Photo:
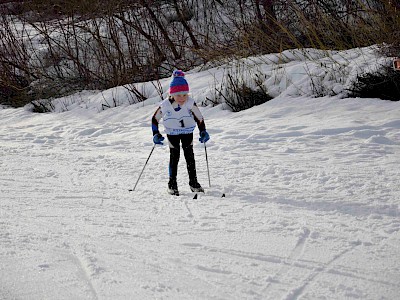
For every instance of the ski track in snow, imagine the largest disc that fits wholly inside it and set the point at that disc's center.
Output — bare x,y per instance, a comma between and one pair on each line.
311,208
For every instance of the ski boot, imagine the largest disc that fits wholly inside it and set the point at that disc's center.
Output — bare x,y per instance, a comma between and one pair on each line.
173,187
195,187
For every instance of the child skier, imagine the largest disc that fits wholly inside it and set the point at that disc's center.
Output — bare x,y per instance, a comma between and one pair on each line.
180,115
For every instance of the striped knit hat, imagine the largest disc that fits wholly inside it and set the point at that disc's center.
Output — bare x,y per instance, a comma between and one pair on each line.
178,85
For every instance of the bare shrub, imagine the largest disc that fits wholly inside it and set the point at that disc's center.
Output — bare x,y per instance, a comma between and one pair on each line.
277,25
15,71
384,84
42,106
240,91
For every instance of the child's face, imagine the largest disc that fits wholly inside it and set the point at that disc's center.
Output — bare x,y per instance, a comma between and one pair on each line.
181,99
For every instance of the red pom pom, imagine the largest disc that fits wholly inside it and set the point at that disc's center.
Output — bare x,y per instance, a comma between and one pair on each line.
178,73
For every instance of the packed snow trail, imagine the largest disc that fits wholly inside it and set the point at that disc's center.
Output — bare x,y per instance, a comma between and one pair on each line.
312,206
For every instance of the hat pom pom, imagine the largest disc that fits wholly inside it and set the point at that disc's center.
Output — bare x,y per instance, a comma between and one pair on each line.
178,73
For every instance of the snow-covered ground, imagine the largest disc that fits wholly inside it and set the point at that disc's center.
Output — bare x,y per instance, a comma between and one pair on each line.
311,208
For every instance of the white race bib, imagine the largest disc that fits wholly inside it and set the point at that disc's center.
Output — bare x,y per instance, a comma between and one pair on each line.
178,121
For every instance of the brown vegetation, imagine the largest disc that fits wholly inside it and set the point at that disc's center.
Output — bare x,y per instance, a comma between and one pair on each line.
51,48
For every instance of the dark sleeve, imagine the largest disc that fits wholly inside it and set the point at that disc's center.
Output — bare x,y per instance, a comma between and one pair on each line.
198,117
155,120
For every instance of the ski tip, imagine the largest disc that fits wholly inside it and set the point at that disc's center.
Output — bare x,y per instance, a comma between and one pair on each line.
130,190
223,195
195,196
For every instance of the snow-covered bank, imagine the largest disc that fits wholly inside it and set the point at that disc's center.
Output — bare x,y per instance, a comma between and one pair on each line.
312,206
292,73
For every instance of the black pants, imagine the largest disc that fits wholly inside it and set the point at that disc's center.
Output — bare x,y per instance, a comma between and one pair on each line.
174,148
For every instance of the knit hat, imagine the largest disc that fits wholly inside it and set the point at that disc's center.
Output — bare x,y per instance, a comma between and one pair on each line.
178,85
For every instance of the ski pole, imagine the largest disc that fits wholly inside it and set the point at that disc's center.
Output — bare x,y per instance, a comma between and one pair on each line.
151,152
208,169
208,172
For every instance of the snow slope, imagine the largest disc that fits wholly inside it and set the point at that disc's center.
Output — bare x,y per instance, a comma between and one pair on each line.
311,208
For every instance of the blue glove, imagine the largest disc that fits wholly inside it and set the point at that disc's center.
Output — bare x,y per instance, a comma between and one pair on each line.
204,136
158,138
